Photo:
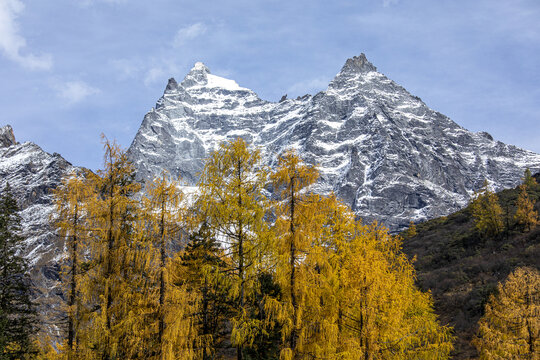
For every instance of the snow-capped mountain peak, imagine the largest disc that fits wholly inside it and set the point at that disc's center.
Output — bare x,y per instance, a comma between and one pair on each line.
358,64
201,77
380,148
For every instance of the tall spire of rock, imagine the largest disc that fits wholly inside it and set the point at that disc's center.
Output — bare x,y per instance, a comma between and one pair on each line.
358,64
172,85
7,138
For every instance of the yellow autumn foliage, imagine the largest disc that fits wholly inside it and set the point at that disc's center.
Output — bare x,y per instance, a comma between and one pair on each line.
510,327
486,211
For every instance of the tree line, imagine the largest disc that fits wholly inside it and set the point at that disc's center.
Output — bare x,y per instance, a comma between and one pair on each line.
491,221
253,265
233,271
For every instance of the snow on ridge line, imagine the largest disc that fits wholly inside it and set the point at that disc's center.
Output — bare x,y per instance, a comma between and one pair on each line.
215,81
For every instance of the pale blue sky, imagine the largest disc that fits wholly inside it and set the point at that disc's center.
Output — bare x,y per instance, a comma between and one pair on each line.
72,69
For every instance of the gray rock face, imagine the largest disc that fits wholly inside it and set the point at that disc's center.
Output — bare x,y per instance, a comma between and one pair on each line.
33,174
381,149
7,138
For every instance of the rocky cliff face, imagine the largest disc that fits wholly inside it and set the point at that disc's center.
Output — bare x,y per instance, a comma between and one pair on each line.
381,149
32,174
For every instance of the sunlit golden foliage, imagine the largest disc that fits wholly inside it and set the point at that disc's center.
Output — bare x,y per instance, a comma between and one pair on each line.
348,291
302,273
525,213
486,211
232,199
71,198
411,230
510,328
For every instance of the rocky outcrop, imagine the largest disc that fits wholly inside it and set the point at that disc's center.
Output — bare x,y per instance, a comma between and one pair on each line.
7,138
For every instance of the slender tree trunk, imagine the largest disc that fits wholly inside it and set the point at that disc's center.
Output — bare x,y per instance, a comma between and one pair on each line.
205,318
162,279
73,292
239,352
531,339
3,300
367,354
110,247
292,280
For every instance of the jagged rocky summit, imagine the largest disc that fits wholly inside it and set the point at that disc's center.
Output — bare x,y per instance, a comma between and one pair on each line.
32,174
381,149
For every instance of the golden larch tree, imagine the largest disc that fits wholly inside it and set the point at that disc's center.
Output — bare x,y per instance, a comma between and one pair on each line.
70,202
298,218
167,304
384,315
528,180
231,195
486,211
525,213
510,327
105,287
411,230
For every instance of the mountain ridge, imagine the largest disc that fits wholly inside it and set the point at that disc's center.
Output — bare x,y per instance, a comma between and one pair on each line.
380,148
32,174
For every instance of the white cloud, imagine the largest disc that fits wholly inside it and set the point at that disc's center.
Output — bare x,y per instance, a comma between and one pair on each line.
189,33
12,43
154,74
75,91
160,73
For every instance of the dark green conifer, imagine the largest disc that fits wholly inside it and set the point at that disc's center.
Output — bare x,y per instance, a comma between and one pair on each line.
206,273
17,312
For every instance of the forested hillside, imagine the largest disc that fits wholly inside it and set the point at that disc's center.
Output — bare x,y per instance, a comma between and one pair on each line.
462,266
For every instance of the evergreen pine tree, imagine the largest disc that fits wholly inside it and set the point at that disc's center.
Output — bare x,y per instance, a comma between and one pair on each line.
204,271
17,312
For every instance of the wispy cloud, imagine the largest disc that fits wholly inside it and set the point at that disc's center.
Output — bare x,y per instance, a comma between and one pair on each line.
160,71
75,91
154,74
12,43
163,63
189,33
149,70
